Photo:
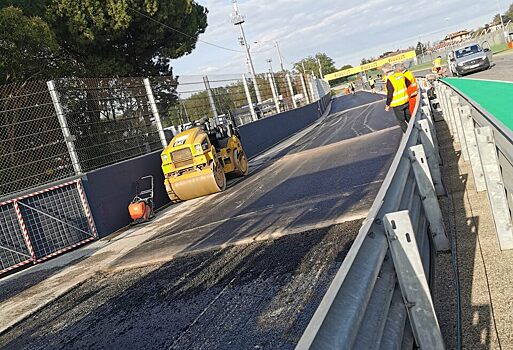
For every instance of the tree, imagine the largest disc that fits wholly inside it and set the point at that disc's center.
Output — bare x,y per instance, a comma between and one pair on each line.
420,49
115,37
347,66
497,19
27,48
509,13
311,64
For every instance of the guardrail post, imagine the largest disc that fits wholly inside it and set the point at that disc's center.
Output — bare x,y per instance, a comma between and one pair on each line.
412,280
275,95
68,137
429,147
155,112
428,195
211,99
248,97
445,109
426,110
450,114
305,91
455,104
467,123
495,187
291,90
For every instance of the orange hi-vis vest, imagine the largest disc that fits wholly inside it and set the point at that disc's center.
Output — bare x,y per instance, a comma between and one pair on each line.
400,91
413,88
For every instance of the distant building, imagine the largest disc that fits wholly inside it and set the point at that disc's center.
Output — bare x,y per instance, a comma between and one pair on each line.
494,27
457,37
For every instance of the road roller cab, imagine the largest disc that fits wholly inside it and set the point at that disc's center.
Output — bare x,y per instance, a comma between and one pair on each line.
197,161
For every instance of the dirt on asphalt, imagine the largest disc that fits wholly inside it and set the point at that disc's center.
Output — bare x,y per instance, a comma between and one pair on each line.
254,296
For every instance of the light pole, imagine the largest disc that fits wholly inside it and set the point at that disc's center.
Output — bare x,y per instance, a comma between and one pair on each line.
270,61
320,69
279,55
238,20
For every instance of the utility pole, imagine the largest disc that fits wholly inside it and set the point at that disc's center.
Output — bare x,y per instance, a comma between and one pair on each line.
303,65
238,20
279,55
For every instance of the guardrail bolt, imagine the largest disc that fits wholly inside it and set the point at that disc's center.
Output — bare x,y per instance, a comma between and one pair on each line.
409,304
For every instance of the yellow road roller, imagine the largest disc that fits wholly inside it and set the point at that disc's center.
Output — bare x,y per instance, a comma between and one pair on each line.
197,161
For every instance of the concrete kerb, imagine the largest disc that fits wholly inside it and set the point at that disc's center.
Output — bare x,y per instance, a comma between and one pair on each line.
131,240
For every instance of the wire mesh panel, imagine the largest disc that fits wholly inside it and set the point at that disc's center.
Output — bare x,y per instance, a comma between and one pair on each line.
32,147
56,220
13,249
110,119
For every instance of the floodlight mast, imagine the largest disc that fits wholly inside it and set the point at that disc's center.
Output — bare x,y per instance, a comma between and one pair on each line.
238,20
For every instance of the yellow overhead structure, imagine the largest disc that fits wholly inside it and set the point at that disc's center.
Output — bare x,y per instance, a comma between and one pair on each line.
196,162
373,65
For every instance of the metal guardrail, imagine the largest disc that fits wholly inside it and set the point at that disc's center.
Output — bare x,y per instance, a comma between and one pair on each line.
487,145
379,298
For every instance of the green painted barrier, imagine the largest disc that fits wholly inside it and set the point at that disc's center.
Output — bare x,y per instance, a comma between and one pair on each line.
496,97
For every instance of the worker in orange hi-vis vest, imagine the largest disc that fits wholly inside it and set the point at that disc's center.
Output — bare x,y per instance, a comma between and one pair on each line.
413,89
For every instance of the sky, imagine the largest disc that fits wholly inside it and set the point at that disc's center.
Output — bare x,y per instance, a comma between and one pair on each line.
347,31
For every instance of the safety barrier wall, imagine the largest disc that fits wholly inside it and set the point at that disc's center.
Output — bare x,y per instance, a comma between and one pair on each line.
260,135
487,144
110,189
370,303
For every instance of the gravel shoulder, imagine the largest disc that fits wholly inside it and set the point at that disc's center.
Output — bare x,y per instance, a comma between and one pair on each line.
485,273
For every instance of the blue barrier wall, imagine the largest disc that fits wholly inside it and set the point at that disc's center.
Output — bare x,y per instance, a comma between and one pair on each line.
259,136
109,190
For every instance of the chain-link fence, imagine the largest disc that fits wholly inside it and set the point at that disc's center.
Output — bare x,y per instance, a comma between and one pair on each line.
110,119
201,97
51,131
32,147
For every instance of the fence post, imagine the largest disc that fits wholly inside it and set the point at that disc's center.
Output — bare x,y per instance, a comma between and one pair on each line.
210,98
312,88
155,112
305,91
68,138
473,150
429,200
291,89
275,95
455,104
495,187
412,280
248,97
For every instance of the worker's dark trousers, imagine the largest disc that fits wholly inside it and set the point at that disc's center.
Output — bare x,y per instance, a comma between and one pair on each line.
402,113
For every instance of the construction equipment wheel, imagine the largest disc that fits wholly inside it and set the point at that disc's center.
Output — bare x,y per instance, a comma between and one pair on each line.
241,163
219,176
201,185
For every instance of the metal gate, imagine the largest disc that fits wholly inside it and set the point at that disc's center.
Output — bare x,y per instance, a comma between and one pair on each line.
40,225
